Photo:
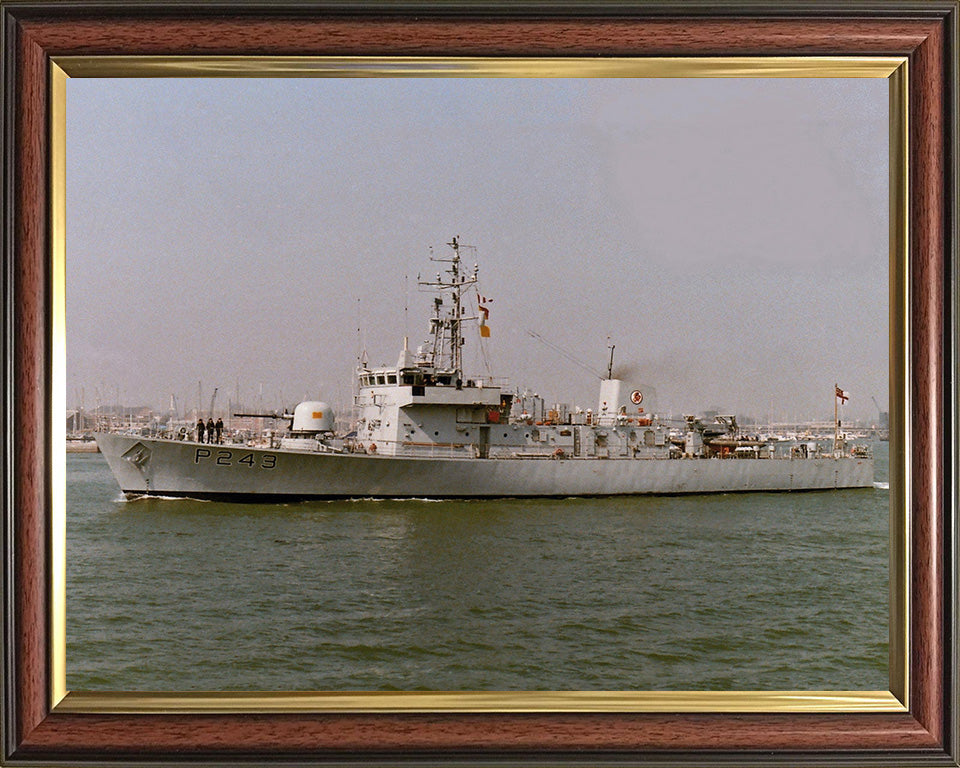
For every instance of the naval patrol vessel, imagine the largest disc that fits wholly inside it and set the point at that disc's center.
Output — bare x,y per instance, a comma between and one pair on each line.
425,430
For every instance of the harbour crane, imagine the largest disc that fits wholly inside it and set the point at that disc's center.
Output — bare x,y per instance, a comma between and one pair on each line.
883,419
213,399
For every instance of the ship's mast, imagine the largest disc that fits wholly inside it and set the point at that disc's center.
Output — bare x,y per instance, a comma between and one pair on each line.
447,327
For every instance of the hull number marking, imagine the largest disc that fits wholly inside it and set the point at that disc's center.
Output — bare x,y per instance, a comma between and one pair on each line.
226,459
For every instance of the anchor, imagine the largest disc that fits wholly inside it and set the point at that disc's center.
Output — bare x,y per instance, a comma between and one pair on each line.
138,455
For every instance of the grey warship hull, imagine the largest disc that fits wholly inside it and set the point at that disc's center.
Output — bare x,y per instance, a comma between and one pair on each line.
158,467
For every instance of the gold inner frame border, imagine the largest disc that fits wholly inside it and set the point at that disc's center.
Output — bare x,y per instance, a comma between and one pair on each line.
894,69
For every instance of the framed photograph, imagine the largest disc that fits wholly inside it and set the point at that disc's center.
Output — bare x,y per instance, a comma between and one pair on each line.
374,82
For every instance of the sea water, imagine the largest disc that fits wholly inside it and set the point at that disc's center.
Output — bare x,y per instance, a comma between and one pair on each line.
757,591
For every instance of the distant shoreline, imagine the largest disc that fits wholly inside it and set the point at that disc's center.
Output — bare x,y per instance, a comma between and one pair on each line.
82,446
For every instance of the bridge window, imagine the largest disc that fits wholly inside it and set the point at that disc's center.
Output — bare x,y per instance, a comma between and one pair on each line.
392,378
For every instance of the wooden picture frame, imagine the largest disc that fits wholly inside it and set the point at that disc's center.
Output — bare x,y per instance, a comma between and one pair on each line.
38,731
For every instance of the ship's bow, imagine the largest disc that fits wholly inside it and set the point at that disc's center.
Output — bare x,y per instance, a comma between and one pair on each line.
127,456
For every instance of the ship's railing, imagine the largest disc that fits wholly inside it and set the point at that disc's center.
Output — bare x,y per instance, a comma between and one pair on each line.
424,450
406,448
491,381
529,452
460,450
805,451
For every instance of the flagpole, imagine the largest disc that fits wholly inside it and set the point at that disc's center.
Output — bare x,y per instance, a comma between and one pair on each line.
836,428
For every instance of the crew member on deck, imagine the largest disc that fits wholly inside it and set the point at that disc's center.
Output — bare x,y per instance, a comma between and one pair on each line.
210,428
200,430
219,428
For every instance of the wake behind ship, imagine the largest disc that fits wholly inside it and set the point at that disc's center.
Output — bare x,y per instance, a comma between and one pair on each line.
425,430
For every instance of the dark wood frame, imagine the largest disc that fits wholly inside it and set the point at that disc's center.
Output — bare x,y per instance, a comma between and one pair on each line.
925,32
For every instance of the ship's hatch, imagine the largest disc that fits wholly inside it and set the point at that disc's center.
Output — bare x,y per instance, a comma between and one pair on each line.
138,455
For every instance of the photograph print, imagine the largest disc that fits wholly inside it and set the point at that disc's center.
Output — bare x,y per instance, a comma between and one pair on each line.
477,384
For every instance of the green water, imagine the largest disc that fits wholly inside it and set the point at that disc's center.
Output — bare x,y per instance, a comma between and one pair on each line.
735,591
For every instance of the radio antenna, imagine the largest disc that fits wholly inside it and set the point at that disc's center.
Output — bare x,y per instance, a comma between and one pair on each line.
561,351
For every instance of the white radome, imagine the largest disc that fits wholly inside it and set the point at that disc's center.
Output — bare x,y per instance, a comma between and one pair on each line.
313,416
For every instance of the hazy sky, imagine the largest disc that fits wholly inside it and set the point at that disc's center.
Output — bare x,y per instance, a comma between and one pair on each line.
729,236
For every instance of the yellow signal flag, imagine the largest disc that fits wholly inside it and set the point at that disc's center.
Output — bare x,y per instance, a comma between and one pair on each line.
485,331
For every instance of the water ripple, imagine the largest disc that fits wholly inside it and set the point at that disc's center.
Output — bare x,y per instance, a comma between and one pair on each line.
760,591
